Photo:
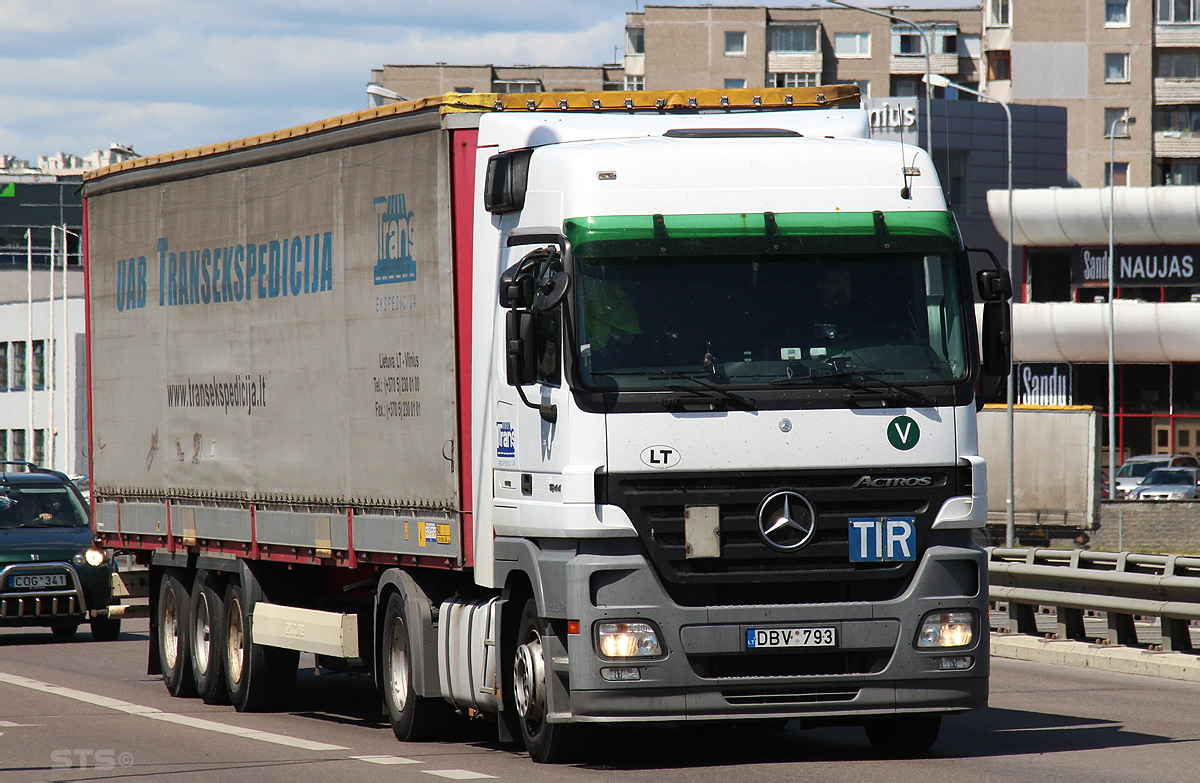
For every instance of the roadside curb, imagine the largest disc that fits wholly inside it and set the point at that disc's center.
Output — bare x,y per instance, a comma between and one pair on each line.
1120,660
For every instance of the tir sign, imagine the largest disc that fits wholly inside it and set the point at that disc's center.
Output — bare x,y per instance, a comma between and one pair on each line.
882,539
660,457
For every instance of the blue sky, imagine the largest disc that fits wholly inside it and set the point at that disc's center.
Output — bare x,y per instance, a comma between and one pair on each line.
159,75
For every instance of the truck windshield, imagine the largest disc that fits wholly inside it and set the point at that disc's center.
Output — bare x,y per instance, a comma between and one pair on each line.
740,314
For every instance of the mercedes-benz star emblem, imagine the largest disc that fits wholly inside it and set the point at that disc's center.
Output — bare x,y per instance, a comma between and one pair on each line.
786,520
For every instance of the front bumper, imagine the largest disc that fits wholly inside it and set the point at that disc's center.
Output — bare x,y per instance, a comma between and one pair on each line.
71,602
707,672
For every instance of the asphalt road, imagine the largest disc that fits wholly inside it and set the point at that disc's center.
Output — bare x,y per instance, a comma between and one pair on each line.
83,710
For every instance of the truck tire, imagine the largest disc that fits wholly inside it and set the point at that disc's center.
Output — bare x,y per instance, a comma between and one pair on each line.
173,653
208,640
547,743
414,718
904,736
106,629
257,678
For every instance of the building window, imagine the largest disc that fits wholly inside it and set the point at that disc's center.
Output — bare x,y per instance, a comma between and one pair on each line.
1181,172
794,38
910,43
998,13
999,65
1178,12
1179,66
635,82
3,366
735,84
1116,67
1111,116
18,449
1116,174
1116,14
464,90
39,364
635,40
795,79
905,88
519,85
39,447
3,444
852,44
18,366
735,44
1176,121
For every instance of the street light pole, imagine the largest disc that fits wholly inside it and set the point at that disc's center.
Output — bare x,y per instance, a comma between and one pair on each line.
1112,268
1010,386
925,43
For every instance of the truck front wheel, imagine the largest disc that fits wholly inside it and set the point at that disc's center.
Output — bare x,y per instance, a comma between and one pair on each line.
173,654
547,743
414,718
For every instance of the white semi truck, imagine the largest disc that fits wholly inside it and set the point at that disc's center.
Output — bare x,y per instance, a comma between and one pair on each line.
558,408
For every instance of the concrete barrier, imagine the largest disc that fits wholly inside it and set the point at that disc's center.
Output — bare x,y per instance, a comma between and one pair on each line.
1166,526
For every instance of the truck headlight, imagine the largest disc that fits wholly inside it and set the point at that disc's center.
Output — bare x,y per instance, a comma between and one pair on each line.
946,629
627,639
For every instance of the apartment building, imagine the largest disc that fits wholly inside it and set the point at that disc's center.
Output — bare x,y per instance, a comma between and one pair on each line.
712,46
419,81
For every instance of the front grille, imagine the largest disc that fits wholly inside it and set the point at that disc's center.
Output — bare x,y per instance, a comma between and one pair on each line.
749,571
751,696
806,664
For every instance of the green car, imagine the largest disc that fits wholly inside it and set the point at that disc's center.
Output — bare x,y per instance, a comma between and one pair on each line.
51,572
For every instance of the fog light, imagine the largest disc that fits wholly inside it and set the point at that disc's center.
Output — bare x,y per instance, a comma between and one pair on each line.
955,664
627,640
621,675
946,629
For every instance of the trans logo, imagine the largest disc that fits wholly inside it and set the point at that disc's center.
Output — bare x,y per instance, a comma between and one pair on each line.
394,235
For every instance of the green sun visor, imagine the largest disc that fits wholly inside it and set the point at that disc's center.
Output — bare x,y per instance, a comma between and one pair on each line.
764,232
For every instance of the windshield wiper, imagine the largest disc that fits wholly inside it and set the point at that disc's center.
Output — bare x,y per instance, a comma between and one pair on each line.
857,377
740,399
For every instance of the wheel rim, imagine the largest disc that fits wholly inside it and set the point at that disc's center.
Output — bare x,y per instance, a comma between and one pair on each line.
170,629
399,666
235,648
529,682
202,635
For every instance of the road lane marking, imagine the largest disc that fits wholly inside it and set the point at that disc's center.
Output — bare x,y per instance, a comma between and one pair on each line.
457,774
8,724
388,760
166,717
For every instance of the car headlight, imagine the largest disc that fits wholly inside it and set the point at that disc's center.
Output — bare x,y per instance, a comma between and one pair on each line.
93,557
947,629
628,639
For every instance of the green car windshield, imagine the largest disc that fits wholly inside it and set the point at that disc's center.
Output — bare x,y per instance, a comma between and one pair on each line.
46,506
762,300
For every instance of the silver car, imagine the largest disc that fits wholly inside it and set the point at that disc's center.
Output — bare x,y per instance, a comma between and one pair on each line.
1167,484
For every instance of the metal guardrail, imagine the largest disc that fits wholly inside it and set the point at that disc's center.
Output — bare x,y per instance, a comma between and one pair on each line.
1120,584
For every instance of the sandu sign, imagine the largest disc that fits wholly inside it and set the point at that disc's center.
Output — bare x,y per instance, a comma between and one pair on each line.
1044,383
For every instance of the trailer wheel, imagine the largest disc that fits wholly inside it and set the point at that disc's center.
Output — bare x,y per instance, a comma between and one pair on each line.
547,743
173,653
414,718
208,640
256,677
910,735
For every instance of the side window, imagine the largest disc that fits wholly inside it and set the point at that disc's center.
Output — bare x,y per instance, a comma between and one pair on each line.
547,332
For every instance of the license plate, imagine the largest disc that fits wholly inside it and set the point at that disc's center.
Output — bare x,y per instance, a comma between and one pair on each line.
883,539
36,581
770,638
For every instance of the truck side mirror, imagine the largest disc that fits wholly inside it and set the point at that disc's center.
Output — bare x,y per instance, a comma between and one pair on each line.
997,339
521,351
994,285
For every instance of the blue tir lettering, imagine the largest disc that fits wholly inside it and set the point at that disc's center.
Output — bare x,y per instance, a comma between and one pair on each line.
296,266
394,237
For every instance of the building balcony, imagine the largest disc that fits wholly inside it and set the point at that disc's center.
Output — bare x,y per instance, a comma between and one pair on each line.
635,65
1176,144
1173,91
1176,35
945,64
795,62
